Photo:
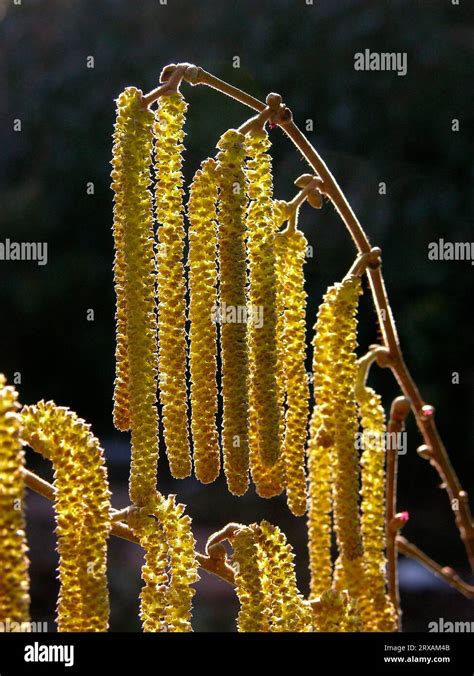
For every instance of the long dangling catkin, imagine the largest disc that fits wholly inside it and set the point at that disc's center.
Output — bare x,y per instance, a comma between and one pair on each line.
14,578
169,136
153,595
372,417
232,298
82,505
343,374
202,307
262,297
170,568
334,611
288,612
320,444
254,614
290,247
135,392
269,480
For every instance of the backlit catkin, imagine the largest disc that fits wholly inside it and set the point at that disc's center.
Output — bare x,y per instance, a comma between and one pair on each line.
135,389
14,578
250,578
373,458
343,372
232,302
288,612
320,454
262,297
169,135
170,568
202,262
290,247
82,505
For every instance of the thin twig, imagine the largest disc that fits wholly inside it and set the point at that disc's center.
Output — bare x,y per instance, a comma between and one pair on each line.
398,413
212,564
446,574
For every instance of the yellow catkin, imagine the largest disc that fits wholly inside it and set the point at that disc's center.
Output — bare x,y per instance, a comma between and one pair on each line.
202,315
262,297
372,417
334,611
82,505
232,298
153,595
169,136
251,583
320,444
290,246
269,480
14,579
135,393
288,611
170,568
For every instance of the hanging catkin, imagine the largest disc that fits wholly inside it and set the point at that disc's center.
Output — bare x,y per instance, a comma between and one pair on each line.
343,373
250,578
373,459
262,297
170,568
202,308
320,444
14,578
169,136
135,390
232,299
290,247
82,505
288,612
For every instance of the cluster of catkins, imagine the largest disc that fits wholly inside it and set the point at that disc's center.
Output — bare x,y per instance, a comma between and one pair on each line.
243,298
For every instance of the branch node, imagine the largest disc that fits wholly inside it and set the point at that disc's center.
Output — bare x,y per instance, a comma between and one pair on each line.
425,452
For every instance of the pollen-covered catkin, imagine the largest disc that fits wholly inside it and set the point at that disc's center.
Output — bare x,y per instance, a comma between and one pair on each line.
82,506
135,391
203,333
232,299
153,595
14,578
254,614
183,564
373,458
169,135
262,296
320,454
290,247
170,568
288,612
343,374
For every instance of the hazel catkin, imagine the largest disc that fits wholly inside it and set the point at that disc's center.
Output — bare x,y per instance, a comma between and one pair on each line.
135,389
14,578
169,135
82,506
202,263
232,298
290,247
262,297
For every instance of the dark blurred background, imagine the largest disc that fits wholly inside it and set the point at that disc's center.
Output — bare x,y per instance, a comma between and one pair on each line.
371,127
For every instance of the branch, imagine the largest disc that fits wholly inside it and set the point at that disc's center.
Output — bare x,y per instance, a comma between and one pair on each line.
212,563
446,574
